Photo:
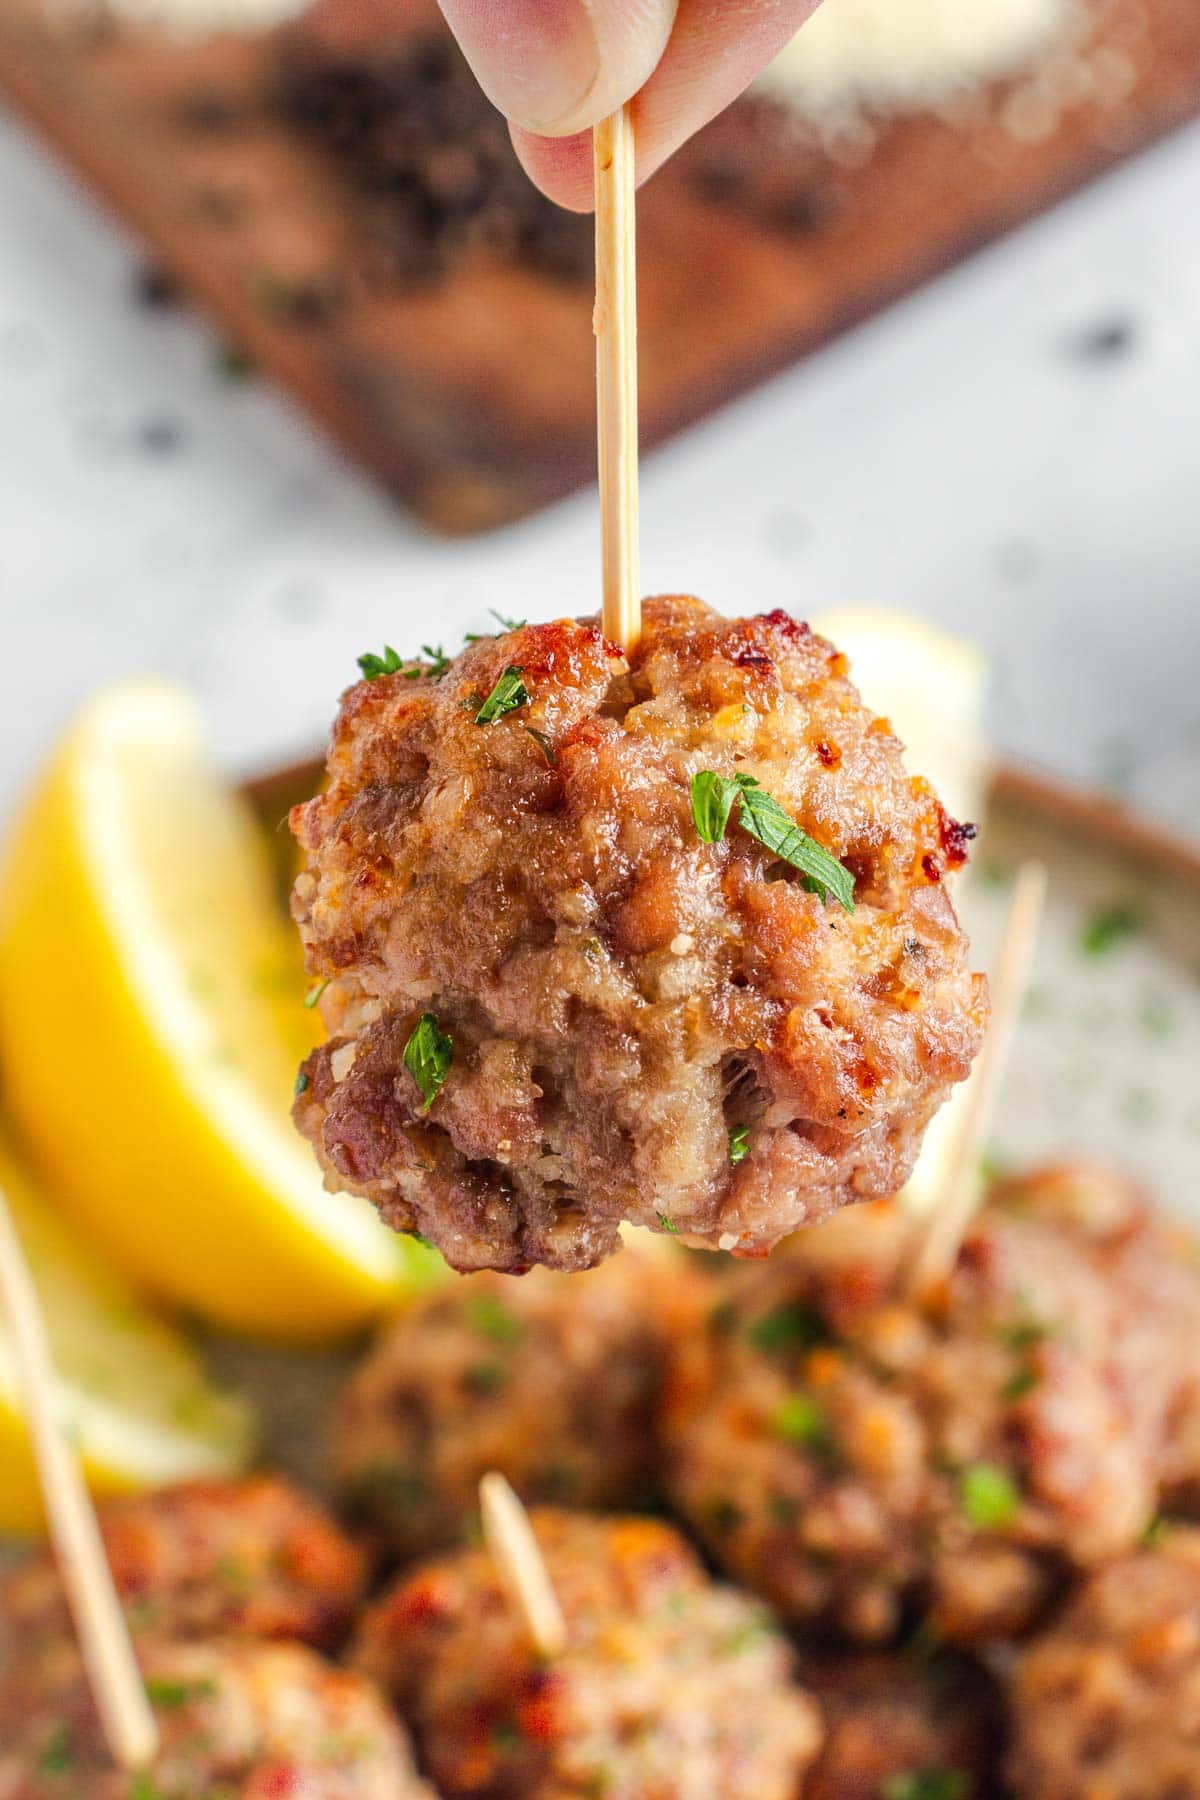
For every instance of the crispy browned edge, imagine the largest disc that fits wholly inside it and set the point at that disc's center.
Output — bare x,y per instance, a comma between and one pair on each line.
475,403
1081,812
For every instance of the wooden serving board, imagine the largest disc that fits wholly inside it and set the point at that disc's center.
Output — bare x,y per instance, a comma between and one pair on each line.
473,399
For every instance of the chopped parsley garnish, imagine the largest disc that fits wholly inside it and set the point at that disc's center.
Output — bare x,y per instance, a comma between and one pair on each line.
58,1752
712,802
434,669
668,1224
544,744
301,1086
169,1695
507,624
1020,1384
1155,1532
761,815
931,1783
739,1143
792,1326
145,1788
508,694
315,991
801,1420
487,1377
491,1317
427,1057
1109,926
372,666
989,1496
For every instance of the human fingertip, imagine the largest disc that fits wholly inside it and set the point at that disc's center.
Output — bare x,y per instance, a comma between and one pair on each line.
560,166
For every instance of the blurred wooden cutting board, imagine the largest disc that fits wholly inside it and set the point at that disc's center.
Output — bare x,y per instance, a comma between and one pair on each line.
472,399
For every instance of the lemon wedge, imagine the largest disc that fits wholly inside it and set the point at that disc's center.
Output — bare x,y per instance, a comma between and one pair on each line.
133,1392
933,688
151,1023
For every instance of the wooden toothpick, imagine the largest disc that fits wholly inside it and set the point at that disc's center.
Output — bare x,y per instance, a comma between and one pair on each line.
940,1234
508,1534
125,1716
615,325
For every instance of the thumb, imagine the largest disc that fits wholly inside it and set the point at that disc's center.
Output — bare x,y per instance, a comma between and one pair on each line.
557,66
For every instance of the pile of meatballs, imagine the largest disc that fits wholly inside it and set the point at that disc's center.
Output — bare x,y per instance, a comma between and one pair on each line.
812,1540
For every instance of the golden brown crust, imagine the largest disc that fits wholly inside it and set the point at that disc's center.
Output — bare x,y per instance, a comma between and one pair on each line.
551,1379
670,1685
237,1719
1106,1702
852,1457
253,1558
619,992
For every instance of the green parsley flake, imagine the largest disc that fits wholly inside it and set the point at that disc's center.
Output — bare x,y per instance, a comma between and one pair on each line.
507,624
427,1057
508,694
739,1144
1155,1532
792,1326
58,1752
800,1420
1110,926
301,1086
930,1783
989,1495
491,1317
372,666
487,1377
668,1224
315,991
764,818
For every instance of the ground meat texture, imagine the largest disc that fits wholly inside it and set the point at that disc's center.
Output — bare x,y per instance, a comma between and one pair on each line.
671,1688
621,995
551,1379
252,1557
909,1726
238,1720
858,1459
1106,1703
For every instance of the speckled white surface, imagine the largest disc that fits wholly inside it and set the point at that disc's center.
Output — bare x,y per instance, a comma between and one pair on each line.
977,455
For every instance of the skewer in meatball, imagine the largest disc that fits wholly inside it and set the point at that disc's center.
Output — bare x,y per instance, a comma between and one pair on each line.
237,1719
1107,1701
661,938
904,1727
251,1557
670,1686
853,1457
552,1380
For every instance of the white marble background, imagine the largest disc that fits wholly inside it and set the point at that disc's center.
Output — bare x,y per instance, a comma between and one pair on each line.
1014,453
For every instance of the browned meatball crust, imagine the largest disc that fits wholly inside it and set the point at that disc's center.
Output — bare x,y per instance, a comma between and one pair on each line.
252,1557
621,995
904,1727
852,1456
552,1379
671,1688
1106,1703
238,1720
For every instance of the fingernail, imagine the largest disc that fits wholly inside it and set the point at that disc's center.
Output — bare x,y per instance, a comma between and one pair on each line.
538,65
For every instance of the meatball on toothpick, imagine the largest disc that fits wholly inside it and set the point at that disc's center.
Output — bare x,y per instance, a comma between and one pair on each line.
660,937
237,1720
670,1685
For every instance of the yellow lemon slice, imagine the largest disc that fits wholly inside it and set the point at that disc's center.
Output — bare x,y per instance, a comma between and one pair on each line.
151,1023
133,1392
933,687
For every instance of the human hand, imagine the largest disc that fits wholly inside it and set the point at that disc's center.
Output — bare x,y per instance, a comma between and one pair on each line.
555,67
